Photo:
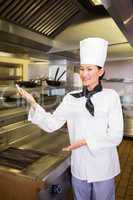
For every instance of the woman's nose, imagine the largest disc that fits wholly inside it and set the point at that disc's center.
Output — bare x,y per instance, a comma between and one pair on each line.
85,73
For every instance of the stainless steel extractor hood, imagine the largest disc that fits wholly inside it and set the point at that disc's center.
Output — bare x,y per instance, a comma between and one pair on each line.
16,39
122,13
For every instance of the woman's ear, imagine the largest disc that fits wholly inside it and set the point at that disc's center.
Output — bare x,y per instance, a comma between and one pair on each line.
101,72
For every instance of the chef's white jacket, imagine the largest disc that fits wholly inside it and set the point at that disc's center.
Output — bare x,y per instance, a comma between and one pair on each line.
98,160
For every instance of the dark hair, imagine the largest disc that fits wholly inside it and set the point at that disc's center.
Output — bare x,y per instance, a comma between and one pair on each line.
101,77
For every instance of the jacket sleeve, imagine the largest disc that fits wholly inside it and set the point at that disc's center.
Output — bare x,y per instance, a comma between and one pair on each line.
47,121
114,133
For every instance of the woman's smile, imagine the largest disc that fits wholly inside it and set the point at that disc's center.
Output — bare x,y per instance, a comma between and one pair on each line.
89,75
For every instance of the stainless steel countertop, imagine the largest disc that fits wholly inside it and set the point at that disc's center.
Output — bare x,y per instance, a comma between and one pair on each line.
25,135
43,167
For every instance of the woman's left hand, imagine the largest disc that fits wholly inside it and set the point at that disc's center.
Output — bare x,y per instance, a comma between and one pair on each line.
75,145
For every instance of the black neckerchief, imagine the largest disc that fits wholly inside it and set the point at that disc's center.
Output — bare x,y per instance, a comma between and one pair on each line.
85,92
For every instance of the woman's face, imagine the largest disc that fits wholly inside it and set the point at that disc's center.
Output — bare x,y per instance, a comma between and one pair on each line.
90,74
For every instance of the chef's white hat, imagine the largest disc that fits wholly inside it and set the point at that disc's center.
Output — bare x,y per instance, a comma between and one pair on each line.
93,51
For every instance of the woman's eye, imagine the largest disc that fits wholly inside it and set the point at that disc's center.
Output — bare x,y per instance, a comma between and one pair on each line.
89,69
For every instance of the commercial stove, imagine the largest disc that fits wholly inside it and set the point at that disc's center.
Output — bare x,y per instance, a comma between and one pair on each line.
32,164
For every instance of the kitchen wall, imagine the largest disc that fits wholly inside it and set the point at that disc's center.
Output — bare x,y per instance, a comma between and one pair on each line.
37,70
119,69
53,65
122,70
114,69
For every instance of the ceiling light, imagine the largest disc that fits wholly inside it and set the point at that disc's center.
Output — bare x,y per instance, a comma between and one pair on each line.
5,54
96,2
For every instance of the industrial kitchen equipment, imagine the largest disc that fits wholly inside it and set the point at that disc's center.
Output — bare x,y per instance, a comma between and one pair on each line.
32,163
127,106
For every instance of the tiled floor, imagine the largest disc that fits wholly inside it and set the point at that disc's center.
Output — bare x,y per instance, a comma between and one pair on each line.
124,182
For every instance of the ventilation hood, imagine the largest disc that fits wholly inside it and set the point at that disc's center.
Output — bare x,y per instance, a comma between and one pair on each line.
17,40
42,16
122,13
30,27
50,28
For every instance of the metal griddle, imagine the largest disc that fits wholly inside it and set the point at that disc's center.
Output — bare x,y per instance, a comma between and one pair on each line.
19,158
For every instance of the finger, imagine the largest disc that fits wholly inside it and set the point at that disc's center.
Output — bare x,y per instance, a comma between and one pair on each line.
23,93
20,90
66,149
19,93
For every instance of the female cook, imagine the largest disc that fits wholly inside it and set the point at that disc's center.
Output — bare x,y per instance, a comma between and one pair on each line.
95,124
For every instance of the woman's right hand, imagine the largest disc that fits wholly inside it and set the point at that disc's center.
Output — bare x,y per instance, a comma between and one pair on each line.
27,96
